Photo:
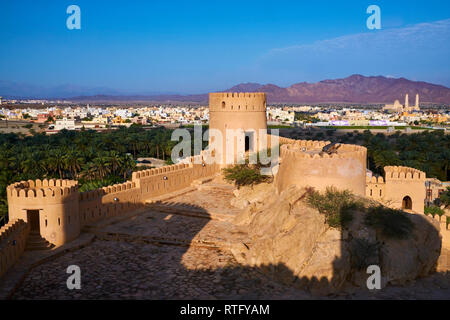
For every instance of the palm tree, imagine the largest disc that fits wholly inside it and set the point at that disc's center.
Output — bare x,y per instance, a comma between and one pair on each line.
56,162
73,162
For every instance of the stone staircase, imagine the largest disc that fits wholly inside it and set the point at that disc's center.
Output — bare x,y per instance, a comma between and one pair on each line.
37,242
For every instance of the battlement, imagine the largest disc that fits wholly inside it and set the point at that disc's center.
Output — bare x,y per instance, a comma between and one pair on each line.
115,188
237,102
304,164
310,149
10,228
238,94
403,173
53,188
375,180
283,140
13,238
158,171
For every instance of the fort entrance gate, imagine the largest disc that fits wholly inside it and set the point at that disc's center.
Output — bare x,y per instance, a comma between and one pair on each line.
33,220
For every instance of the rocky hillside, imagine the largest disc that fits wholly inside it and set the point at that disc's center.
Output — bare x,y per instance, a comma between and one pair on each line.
353,89
291,241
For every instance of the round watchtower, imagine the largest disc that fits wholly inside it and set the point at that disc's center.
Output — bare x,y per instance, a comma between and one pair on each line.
239,117
305,164
49,206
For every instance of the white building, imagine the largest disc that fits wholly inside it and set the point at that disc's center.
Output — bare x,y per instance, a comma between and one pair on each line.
65,123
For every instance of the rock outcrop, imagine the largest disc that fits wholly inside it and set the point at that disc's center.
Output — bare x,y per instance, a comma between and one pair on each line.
291,241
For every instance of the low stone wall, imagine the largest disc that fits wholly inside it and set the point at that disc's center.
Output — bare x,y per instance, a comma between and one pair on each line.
13,237
108,202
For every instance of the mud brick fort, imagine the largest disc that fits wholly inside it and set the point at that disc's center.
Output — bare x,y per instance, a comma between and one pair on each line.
45,214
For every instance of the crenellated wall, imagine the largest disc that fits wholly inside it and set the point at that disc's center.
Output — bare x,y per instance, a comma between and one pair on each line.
60,210
57,204
13,237
237,102
375,188
302,163
398,184
156,182
108,202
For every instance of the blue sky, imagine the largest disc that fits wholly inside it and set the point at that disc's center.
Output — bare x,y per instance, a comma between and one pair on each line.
200,46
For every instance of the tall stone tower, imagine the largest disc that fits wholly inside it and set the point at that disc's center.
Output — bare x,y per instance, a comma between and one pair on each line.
239,117
417,101
406,101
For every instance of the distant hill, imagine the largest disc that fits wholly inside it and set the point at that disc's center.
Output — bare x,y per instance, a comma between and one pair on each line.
353,89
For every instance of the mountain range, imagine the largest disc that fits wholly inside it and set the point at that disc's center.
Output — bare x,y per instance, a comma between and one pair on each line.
353,89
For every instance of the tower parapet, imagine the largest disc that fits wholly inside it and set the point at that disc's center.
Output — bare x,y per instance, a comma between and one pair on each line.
402,188
49,206
52,191
237,102
304,164
13,237
404,173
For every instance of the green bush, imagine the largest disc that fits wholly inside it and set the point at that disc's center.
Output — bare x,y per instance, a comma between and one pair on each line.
336,205
434,210
244,174
392,223
445,197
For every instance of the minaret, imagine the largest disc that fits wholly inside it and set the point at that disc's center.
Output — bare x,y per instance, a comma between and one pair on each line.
406,101
417,100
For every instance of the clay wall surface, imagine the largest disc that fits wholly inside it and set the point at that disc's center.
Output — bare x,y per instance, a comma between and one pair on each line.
57,203
402,182
302,164
245,112
13,237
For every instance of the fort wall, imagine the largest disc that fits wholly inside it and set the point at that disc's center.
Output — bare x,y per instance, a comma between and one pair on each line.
401,188
13,237
303,164
55,203
108,202
60,210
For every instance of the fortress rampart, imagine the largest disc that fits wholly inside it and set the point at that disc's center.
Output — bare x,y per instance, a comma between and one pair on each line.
13,238
58,211
52,206
401,188
304,164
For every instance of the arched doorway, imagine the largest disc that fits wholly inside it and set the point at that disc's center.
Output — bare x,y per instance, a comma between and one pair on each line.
407,203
